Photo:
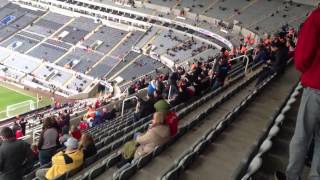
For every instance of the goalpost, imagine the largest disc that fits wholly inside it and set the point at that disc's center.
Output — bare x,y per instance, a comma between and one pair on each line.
20,108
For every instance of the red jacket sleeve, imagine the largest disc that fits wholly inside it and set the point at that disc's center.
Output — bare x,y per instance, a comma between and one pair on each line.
308,42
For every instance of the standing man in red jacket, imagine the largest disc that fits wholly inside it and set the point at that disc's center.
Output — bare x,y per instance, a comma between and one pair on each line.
307,60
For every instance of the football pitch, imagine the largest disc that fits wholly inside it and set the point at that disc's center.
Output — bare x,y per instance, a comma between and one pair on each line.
12,96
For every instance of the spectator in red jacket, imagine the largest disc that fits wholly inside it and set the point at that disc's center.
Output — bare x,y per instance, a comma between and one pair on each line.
307,60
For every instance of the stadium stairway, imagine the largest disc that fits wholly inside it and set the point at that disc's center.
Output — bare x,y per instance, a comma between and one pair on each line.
234,142
223,93
276,159
220,158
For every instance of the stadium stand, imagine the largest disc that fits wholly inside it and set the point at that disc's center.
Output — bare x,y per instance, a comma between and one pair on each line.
276,138
232,130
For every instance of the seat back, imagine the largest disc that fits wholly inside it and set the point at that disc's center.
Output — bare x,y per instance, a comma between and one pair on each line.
61,177
116,144
172,174
107,141
90,160
73,172
158,150
30,176
99,145
103,151
112,160
128,172
187,160
201,146
144,160
96,171
116,175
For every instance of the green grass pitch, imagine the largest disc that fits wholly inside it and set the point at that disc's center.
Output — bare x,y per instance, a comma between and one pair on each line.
9,97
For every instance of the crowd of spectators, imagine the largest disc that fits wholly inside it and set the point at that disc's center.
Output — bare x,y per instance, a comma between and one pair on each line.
66,146
63,147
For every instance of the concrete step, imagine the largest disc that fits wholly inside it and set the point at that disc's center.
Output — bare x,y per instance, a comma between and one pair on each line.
224,155
276,159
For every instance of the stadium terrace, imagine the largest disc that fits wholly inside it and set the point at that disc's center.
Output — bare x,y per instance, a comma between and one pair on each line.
158,89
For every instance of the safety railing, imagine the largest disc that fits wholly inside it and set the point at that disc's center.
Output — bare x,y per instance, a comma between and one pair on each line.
125,100
36,132
246,58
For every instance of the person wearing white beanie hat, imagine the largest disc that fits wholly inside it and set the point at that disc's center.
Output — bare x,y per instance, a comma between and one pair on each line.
63,162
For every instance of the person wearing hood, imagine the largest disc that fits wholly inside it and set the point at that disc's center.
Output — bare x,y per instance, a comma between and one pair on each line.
157,134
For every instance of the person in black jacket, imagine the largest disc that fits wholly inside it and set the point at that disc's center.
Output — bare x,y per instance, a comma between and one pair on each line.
87,146
279,57
66,118
221,73
262,54
147,107
15,156
112,114
23,124
277,63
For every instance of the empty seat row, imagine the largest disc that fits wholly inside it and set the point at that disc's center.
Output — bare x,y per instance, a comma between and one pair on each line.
247,169
190,154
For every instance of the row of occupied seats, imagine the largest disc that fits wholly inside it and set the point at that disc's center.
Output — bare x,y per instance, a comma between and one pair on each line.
113,142
99,143
106,150
112,159
254,163
184,108
130,168
194,151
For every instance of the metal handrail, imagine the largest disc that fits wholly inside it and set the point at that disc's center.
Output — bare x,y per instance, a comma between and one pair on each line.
129,98
247,61
169,93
